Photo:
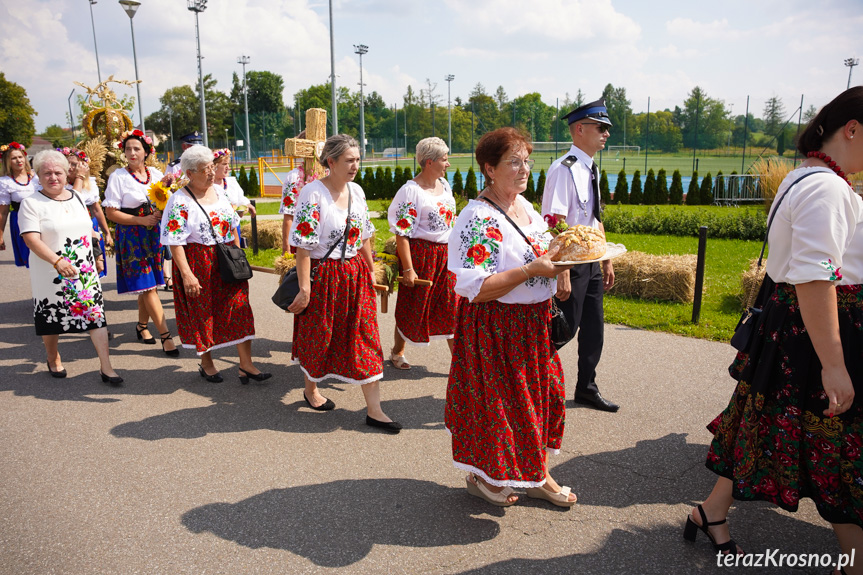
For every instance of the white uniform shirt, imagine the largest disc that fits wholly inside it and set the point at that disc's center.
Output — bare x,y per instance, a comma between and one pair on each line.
318,223
483,243
817,233
12,191
183,222
124,191
416,213
569,191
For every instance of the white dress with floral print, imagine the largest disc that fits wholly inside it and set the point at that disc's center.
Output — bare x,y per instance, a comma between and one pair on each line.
483,243
63,305
415,213
183,222
318,223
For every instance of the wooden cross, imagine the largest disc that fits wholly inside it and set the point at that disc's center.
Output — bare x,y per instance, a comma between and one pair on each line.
309,148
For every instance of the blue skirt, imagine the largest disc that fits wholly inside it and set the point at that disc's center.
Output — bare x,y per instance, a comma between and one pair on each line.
19,248
139,259
102,245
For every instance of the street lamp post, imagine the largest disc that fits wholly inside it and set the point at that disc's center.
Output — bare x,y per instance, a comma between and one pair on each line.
71,117
449,78
131,6
198,6
851,62
245,60
333,75
362,49
171,127
95,47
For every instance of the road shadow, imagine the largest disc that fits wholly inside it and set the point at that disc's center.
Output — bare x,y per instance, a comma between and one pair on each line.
336,524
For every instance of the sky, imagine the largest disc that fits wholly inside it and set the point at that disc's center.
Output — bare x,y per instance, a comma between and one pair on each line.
658,50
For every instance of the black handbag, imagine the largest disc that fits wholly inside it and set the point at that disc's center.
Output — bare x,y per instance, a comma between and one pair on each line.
749,320
233,265
289,287
558,327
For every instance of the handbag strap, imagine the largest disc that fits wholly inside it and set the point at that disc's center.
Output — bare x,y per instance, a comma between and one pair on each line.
512,223
206,215
344,235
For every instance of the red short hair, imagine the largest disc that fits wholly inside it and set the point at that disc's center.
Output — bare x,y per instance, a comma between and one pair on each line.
493,145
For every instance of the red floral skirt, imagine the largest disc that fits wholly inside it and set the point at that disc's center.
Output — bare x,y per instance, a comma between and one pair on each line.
337,335
505,399
426,313
773,440
221,315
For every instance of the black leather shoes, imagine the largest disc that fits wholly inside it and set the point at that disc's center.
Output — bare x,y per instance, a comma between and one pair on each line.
595,400
388,426
328,405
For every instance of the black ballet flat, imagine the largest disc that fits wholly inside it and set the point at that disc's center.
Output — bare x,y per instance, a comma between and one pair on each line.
116,381
215,378
165,337
325,406
141,327
245,376
58,374
388,426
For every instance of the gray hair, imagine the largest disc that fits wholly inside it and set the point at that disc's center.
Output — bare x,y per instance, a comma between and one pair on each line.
430,149
196,158
50,158
335,147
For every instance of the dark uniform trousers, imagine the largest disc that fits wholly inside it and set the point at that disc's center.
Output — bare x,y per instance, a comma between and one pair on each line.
583,312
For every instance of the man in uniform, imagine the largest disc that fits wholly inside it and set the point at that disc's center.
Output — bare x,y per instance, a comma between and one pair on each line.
572,193
189,140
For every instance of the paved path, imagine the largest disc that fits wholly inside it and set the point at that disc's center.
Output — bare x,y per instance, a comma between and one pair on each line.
171,474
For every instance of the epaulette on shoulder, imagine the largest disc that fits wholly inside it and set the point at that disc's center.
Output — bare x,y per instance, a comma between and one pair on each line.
569,161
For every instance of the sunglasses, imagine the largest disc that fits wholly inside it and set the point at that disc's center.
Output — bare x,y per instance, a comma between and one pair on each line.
602,127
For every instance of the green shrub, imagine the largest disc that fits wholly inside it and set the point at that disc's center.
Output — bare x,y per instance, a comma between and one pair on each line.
650,188
397,178
636,196
380,184
719,186
693,194
368,182
675,194
621,189
530,191
540,185
457,184
678,221
407,176
470,190
661,190
243,180
706,192
389,189
254,189
604,196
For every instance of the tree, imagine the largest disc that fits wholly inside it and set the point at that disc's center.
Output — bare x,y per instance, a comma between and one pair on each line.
712,120
16,114
500,98
636,196
661,190
604,196
254,189
706,192
58,136
774,116
662,134
398,182
470,190
407,175
619,112
388,190
243,180
530,191
380,184
693,194
675,194
719,186
650,188
810,113
369,181
457,183
540,185
265,91
621,189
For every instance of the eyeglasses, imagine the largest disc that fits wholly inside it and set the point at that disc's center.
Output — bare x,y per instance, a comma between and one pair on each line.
207,169
517,164
601,127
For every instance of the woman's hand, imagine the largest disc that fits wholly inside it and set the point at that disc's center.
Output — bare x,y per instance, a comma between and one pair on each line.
300,303
252,211
66,269
191,285
544,267
83,170
839,390
151,220
564,286
2,244
109,241
408,278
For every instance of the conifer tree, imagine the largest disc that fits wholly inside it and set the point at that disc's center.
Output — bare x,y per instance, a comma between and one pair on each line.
706,192
407,175
675,194
661,189
621,189
719,186
397,178
243,180
368,181
470,190
693,194
254,190
650,188
540,185
636,196
604,195
380,184
389,191
457,184
530,191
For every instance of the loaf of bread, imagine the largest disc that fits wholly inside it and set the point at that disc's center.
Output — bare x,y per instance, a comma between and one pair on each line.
579,243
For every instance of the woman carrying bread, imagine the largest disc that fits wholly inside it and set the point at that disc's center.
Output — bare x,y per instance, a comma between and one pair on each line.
505,395
421,216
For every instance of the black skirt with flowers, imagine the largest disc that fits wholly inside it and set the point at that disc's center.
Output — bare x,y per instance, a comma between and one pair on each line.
773,440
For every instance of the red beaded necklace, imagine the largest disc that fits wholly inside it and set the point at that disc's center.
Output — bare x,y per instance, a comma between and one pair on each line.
145,182
830,164
29,179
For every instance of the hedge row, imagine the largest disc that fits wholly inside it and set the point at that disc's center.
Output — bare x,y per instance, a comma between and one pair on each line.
730,224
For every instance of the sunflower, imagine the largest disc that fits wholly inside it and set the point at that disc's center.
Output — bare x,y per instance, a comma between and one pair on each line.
159,195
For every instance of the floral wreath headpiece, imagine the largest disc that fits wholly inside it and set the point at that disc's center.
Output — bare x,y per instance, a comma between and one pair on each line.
67,151
136,134
219,153
11,146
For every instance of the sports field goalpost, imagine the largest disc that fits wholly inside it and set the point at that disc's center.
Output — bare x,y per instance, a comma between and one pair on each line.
561,147
624,150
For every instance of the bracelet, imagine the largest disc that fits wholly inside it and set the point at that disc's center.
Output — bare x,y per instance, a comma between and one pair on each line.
407,270
57,262
79,176
524,269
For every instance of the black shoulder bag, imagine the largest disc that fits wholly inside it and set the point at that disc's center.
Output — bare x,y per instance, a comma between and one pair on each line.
233,265
558,328
746,327
290,286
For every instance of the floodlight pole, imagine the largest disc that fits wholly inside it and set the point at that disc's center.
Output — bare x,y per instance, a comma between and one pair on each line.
95,46
131,6
245,60
851,62
333,75
71,117
362,49
198,6
449,78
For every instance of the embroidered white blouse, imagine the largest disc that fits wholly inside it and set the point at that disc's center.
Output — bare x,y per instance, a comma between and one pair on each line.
124,191
231,187
817,233
183,222
290,190
484,243
12,191
415,213
318,223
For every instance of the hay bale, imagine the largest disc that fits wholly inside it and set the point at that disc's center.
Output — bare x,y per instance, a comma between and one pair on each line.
647,276
390,245
386,270
269,234
751,281
284,264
